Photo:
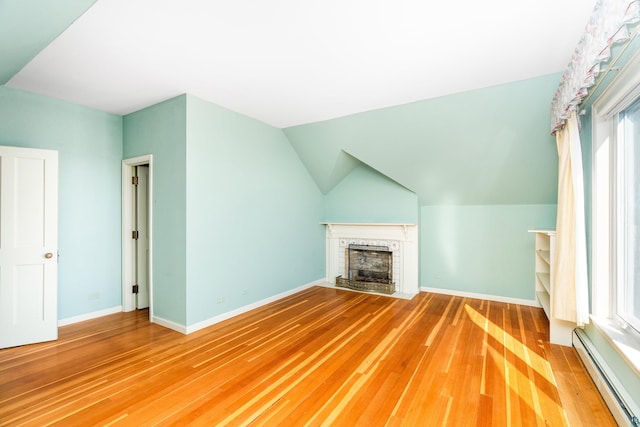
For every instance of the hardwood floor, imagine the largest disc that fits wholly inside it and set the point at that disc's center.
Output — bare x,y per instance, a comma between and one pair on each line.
320,357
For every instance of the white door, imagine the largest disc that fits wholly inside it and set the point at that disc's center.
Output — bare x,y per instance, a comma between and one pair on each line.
142,243
28,246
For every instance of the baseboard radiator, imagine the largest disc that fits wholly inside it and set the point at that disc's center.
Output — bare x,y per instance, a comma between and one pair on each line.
619,402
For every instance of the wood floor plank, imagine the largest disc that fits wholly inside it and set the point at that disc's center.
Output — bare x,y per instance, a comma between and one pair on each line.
320,357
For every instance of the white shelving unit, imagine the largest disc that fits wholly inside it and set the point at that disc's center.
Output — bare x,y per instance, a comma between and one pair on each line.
559,330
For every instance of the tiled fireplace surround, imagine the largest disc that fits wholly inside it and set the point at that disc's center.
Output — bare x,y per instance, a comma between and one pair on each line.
402,239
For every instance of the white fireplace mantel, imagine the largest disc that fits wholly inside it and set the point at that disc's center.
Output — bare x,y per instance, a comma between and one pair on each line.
401,238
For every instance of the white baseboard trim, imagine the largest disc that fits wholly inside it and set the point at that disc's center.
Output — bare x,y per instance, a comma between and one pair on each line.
89,316
229,314
531,303
169,324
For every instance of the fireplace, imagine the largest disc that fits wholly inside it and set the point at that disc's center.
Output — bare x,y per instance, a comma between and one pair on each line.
368,268
396,243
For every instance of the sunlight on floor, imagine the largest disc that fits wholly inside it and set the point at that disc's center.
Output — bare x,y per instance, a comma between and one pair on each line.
507,352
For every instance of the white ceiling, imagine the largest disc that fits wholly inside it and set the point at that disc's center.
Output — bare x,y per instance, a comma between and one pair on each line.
289,62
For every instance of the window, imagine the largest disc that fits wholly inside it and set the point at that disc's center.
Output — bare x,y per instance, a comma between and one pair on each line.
615,210
627,224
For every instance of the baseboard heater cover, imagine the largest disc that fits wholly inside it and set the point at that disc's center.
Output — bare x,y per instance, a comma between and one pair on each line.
619,402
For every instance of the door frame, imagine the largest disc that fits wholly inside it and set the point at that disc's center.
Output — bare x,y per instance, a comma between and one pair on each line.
128,245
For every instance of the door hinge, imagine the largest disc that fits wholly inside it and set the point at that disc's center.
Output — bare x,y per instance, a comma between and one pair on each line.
135,289
135,234
134,180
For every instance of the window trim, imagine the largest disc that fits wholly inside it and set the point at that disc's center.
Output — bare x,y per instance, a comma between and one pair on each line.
621,224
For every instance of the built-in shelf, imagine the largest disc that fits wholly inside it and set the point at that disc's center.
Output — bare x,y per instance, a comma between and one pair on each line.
559,330
545,254
545,280
545,301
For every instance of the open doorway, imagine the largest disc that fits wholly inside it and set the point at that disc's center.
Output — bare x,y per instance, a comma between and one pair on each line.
137,219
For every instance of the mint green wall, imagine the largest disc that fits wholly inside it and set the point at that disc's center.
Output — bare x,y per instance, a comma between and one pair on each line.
27,27
481,249
487,146
89,143
366,195
227,190
253,213
160,130
477,161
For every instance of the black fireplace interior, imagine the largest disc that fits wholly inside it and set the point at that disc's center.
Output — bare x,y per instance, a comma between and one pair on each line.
370,263
368,268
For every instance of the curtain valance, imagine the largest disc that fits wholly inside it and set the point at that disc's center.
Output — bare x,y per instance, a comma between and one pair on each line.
609,24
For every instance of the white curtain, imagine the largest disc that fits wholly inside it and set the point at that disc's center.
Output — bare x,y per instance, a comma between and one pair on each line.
570,291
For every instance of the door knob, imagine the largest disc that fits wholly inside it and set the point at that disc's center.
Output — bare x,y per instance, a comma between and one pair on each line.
48,255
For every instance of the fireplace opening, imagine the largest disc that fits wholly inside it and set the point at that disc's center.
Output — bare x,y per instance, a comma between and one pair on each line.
368,268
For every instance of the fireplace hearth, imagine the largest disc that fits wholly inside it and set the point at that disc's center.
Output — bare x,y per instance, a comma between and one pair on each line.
368,268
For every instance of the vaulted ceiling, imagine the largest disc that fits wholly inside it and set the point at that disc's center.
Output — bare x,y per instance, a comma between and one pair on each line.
284,62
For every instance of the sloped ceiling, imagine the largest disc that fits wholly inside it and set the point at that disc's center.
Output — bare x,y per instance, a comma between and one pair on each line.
284,62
